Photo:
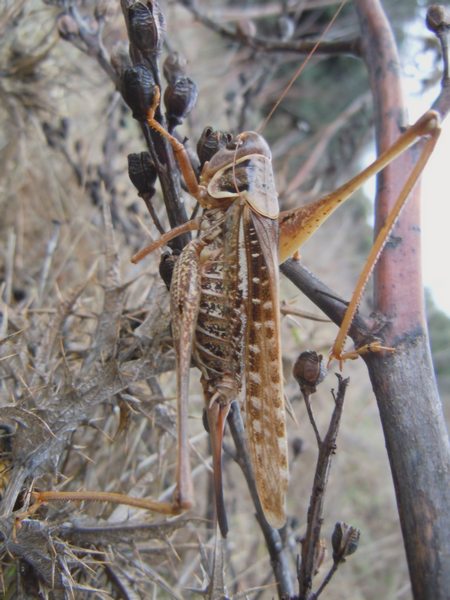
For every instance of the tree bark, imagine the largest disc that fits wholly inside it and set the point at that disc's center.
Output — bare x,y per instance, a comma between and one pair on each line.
404,384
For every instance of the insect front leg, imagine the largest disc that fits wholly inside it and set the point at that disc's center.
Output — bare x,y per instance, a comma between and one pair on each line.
179,150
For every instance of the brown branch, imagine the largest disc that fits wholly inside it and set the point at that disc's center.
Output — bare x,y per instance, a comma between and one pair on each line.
438,21
409,406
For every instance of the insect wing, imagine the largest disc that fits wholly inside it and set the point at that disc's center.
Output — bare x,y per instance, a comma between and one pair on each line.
265,411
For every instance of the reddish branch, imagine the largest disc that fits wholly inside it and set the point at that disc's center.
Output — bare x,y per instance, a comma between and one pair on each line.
410,409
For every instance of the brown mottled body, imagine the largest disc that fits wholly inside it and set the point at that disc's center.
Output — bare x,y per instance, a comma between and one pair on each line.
226,285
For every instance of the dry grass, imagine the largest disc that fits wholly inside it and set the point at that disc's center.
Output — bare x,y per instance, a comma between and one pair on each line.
87,377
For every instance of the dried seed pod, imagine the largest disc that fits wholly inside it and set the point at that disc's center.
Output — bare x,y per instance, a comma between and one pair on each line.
245,29
142,173
309,371
210,142
438,18
344,540
174,66
138,90
179,99
146,27
166,267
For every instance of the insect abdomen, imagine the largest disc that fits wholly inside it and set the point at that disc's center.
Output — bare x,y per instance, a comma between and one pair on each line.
218,329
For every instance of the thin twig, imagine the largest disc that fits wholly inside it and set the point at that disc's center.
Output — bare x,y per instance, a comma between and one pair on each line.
92,42
312,420
311,541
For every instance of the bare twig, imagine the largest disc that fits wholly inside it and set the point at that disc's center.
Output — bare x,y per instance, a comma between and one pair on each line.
327,447
87,36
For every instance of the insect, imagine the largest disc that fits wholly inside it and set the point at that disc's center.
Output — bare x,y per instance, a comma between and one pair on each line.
225,299
225,313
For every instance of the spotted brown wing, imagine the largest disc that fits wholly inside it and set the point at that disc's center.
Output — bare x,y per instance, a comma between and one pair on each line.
264,398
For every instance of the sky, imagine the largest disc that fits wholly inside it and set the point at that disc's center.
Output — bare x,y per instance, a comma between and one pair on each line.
436,222
418,61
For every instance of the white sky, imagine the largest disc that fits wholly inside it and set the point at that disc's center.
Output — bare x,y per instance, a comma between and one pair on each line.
417,63
436,222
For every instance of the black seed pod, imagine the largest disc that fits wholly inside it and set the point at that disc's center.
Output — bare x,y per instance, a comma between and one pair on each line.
142,173
210,142
138,89
297,446
146,27
179,99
